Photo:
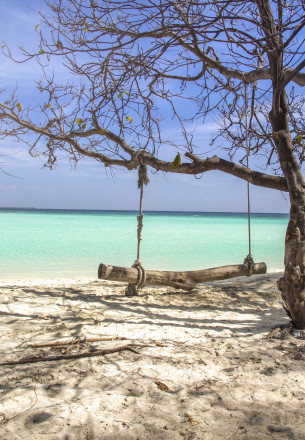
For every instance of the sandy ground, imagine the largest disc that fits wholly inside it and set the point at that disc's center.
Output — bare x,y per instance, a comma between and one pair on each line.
209,364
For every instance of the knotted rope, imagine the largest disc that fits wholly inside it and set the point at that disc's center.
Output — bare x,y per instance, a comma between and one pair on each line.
249,262
141,274
143,179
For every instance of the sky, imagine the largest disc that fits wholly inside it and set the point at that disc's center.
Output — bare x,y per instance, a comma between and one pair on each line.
28,184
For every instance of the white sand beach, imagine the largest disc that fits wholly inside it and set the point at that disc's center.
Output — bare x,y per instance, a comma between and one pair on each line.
216,363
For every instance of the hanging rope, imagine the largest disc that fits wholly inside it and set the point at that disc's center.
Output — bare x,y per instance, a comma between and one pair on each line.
143,179
248,260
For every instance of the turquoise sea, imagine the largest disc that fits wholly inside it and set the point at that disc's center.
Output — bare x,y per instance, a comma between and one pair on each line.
65,243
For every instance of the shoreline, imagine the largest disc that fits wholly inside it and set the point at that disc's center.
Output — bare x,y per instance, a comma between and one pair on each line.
34,279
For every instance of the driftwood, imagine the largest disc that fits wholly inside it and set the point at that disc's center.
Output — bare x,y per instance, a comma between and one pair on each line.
179,280
34,359
76,341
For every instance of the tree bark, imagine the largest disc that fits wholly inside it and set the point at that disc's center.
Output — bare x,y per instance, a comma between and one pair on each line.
179,280
291,284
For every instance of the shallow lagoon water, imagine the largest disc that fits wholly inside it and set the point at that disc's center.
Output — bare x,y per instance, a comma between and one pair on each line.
57,243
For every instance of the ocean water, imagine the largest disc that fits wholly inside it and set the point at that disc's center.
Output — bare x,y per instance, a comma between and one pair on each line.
56,243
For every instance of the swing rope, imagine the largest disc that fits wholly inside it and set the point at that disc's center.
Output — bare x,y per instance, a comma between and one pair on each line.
143,179
249,259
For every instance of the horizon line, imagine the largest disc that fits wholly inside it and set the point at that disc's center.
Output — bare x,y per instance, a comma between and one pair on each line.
16,208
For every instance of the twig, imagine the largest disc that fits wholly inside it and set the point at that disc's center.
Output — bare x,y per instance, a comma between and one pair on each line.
272,333
32,360
191,420
75,342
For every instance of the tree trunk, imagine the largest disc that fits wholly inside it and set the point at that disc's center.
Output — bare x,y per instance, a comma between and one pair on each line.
292,284
179,280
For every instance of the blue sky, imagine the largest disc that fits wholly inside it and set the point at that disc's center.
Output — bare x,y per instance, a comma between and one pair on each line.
88,186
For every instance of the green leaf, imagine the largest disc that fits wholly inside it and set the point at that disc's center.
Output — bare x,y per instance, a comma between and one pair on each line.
3,46
59,45
47,105
79,121
230,105
129,118
85,23
177,161
37,26
41,51
299,138
120,95
84,126
19,106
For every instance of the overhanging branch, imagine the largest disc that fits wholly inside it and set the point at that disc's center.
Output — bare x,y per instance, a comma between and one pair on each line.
199,166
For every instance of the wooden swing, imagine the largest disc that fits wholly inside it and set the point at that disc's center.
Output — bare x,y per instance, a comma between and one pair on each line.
138,277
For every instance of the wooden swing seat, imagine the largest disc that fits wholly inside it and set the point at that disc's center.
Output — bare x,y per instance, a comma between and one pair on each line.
137,277
180,280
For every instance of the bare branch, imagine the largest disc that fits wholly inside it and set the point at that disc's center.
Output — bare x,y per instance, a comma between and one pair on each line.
186,58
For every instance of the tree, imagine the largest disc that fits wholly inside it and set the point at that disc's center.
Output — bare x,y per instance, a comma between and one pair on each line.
134,58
